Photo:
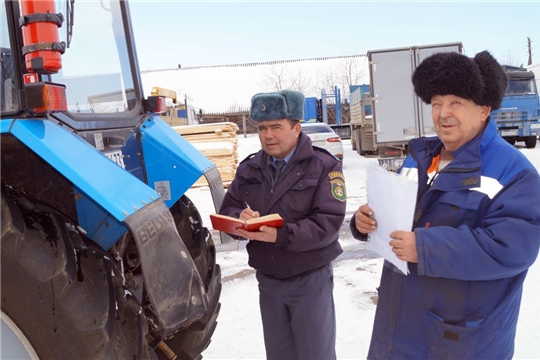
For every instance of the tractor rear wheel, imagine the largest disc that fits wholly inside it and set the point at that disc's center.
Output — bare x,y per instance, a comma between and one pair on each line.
63,292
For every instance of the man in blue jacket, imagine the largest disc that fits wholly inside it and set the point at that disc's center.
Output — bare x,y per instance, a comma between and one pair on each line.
305,185
476,227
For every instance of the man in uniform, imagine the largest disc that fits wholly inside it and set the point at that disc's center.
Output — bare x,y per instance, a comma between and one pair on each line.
305,185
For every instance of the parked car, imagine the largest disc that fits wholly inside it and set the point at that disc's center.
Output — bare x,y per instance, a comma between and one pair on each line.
324,136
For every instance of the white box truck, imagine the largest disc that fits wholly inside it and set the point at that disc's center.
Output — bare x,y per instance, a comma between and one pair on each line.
398,114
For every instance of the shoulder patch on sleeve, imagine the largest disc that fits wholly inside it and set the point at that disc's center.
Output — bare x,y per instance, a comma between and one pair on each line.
336,174
337,182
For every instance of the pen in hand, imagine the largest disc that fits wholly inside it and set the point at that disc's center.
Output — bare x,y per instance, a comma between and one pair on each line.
251,213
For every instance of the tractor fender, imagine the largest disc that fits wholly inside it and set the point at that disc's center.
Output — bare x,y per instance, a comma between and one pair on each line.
102,206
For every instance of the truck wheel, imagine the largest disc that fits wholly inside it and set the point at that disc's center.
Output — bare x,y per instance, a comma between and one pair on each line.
190,342
530,142
353,139
510,140
359,144
62,291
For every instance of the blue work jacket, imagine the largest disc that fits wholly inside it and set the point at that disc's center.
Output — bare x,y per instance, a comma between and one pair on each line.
477,228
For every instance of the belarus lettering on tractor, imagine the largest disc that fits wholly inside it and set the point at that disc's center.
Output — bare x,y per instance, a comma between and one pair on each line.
103,256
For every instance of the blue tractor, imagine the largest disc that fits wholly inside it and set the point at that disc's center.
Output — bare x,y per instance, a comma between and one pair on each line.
103,255
518,119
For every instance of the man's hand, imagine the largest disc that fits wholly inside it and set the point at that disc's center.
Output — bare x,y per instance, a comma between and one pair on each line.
363,218
247,214
404,245
265,234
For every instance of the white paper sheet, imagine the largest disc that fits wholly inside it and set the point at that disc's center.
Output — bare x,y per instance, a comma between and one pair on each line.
392,198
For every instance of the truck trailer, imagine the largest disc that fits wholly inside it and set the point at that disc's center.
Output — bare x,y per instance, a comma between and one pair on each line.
103,256
361,120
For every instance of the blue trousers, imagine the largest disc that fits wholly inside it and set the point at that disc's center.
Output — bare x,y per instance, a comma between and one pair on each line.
298,316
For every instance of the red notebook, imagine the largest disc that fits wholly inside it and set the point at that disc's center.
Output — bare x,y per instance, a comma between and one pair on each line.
229,224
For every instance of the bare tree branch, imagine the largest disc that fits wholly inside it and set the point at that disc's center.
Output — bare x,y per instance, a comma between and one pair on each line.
348,72
279,77
274,78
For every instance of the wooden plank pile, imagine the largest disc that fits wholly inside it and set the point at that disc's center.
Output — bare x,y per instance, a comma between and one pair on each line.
218,142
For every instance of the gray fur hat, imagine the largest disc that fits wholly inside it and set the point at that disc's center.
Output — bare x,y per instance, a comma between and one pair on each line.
286,104
480,79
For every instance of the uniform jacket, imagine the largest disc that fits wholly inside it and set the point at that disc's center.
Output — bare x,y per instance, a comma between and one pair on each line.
477,232
310,197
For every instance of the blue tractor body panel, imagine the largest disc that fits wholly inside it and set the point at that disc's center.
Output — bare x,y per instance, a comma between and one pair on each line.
172,166
85,167
172,163
5,125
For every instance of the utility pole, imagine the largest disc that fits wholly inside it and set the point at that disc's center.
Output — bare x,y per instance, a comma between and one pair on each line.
530,52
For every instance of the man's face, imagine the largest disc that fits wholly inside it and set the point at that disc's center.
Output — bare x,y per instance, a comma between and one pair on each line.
457,120
278,137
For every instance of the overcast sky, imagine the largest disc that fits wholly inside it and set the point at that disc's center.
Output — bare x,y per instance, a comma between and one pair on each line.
220,32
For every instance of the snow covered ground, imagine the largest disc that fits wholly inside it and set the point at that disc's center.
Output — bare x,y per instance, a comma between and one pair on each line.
356,272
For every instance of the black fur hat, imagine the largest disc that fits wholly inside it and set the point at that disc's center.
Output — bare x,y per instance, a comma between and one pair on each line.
480,79
286,104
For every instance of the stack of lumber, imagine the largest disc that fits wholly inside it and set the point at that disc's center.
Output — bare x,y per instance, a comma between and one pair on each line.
218,142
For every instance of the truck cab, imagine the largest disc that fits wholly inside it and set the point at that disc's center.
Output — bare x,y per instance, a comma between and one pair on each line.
518,119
